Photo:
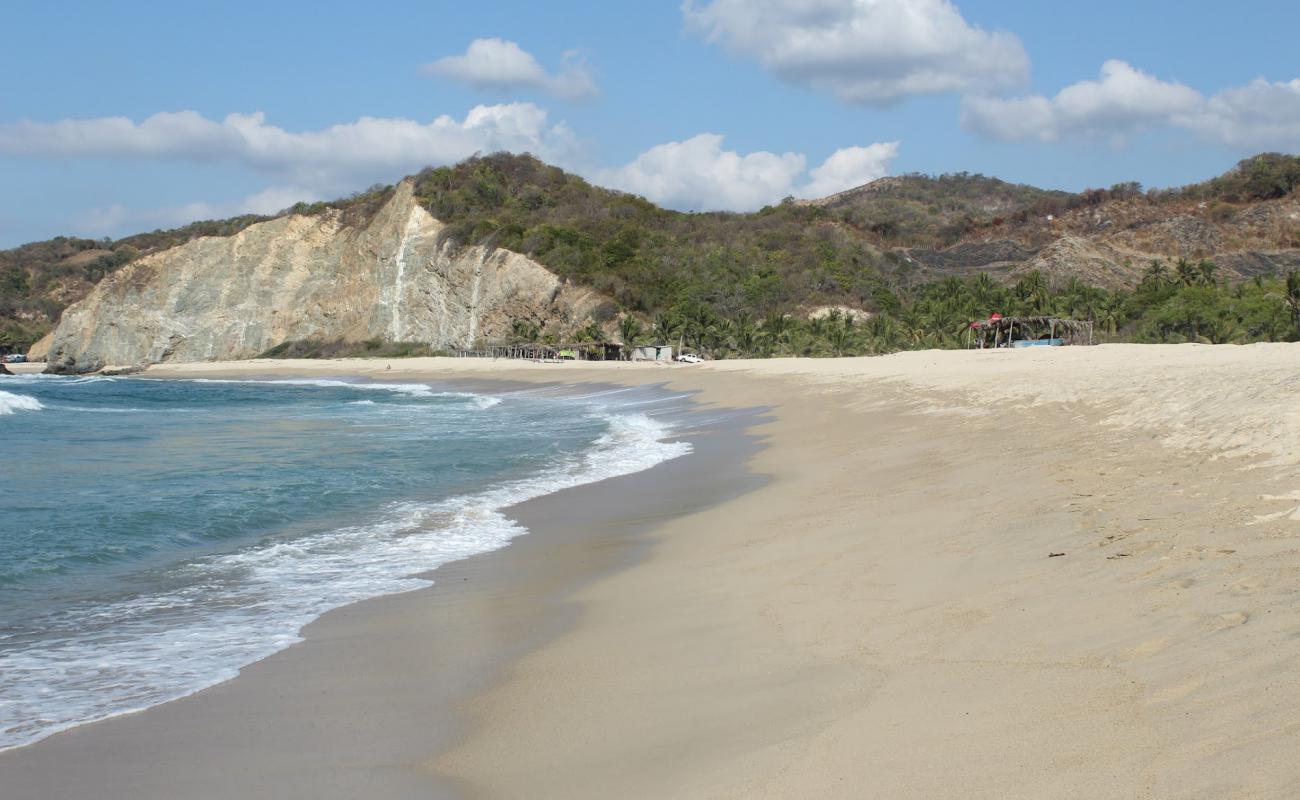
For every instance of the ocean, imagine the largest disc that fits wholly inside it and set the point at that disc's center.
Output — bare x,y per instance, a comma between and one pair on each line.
156,536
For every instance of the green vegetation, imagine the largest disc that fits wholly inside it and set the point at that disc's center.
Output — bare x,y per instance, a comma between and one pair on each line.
732,285
1267,176
741,284
371,348
1182,303
645,257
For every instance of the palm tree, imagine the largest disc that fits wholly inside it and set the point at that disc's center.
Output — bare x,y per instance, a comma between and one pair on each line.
1032,292
1186,272
913,324
700,325
1293,297
631,331
984,292
841,337
744,334
667,327
592,333
1207,270
1108,312
524,331
1157,273
775,332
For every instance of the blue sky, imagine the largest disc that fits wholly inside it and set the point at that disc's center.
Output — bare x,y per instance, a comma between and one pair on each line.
713,104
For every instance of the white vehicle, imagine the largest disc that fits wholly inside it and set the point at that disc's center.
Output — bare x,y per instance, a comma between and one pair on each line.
689,358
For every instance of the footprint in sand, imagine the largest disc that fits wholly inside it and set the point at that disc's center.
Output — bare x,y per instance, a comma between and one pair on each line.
1232,619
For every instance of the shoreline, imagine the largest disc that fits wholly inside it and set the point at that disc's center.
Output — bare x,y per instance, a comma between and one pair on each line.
582,521
1012,575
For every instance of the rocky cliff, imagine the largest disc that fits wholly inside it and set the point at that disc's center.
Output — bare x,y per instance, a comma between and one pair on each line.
393,277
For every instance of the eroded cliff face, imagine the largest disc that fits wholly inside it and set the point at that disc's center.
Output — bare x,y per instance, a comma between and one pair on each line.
312,278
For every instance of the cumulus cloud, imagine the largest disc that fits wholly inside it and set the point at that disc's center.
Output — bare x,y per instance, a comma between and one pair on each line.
1124,99
115,218
1260,115
696,174
330,160
699,174
864,51
502,64
849,167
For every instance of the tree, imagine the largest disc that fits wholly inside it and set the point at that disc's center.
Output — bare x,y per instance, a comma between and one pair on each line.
667,326
1293,298
775,334
841,337
1188,274
744,334
1157,272
631,330
592,333
1108,312
524,331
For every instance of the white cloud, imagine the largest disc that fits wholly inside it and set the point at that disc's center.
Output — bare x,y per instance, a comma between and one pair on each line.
864,51
117,218
502,64
1258,116
849,167
698,174
1124,99
332,160
1261,115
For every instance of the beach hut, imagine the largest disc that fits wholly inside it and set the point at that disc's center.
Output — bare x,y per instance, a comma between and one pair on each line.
1043,331
541,351
652,352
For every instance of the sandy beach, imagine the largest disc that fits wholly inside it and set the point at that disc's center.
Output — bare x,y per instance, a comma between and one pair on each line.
1042,573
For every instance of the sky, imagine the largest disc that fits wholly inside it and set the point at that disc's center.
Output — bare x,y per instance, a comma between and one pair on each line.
125,117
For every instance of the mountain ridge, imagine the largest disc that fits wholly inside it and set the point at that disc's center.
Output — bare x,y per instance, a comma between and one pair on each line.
848,249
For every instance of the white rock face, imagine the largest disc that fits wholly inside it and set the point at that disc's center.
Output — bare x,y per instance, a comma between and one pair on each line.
312,278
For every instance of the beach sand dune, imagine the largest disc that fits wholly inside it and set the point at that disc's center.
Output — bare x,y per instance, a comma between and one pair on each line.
1051,573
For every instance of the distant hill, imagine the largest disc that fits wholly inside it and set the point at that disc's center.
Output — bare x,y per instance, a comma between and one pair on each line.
864,248
896,232
40,279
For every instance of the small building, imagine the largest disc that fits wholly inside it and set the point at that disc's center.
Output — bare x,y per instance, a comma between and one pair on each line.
651,352
541,351
1000,331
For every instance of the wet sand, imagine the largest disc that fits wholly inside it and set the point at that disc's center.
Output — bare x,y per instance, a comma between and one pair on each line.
373,689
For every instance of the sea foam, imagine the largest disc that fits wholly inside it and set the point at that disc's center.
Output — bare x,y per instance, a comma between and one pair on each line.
99,660
407,389
11,403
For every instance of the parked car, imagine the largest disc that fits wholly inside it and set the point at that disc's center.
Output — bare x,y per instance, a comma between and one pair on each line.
15,358
689,358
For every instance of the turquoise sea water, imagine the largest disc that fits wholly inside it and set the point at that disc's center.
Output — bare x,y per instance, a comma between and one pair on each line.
155,536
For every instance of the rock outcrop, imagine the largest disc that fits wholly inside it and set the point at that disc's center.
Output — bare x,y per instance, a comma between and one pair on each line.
41,348
396,277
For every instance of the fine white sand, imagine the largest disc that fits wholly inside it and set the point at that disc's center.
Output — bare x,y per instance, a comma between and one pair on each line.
1048,573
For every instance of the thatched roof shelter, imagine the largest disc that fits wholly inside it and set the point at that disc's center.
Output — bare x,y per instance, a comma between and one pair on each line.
1000,331
541,351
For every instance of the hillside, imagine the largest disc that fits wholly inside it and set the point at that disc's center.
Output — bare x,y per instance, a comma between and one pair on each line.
892,246
40,279
390,275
